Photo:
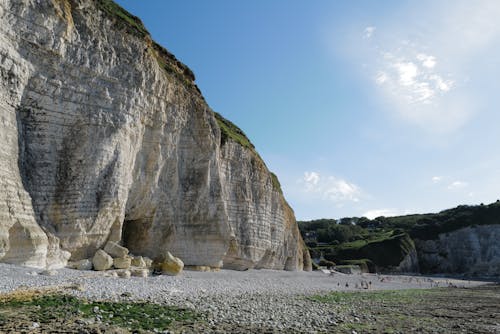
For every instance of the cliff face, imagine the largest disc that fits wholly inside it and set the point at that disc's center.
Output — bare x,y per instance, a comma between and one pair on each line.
472,251
105,136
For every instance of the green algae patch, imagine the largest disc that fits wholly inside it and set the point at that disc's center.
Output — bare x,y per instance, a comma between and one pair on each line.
65,309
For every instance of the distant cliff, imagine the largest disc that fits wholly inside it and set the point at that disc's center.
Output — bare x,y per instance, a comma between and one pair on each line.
474,251
462,240
105,136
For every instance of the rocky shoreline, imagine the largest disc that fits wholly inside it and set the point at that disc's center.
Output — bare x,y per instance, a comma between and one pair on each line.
266,300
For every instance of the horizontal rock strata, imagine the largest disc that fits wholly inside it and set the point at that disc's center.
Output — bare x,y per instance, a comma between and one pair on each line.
473,251
105,137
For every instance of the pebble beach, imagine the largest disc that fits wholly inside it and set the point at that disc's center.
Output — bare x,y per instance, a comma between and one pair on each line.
272,299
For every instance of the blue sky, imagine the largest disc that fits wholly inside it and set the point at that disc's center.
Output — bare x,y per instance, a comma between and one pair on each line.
360,108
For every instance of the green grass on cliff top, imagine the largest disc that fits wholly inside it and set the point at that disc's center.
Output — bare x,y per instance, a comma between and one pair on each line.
130,22
230,131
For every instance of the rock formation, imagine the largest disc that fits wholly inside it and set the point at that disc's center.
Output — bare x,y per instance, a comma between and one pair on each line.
106,137
473,251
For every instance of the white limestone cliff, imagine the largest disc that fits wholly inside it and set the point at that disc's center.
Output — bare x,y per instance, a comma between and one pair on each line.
105,137
473,251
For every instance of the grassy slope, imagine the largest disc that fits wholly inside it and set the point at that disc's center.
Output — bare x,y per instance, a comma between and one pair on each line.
383,241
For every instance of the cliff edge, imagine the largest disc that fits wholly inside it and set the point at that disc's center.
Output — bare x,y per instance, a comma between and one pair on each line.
106,137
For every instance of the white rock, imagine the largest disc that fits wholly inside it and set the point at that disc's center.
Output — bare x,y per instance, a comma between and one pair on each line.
49,273
85,264
124,273
148,262
138,261
140,272
171,265
227,209
102,260
122,262
115,250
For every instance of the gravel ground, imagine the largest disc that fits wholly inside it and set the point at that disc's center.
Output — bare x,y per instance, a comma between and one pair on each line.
254,300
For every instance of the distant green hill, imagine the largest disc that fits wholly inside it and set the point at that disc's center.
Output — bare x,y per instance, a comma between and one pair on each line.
383,242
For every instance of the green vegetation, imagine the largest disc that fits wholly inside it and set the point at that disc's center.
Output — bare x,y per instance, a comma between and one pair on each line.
122,18
383,242
276,183
442,310
339,297
230,131
366,265
135,316
173,66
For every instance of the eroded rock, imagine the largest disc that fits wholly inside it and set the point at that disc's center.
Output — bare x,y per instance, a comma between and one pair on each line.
122,262
115,250
102,260
124,273
85,264
140,272
138,261
169,264
94,149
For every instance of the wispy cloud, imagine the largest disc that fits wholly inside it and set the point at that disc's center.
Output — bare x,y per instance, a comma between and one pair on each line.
330,187
427,61
457,185
422,70
437,179
412,79
371,214
368,33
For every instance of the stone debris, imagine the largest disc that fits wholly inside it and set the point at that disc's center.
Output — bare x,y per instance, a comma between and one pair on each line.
140,272
170,265
85,264
49,273
115,250
148,261
124,273
102,260
264,298
200,268
122,262
138,261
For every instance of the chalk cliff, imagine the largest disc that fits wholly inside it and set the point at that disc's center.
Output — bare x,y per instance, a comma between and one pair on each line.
105,136
473,251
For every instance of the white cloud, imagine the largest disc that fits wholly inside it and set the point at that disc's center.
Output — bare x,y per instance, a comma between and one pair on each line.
368,33
381,78
411,80
437,179
330,187
457,185
407,73
421,61
311,179
444,85
427,61
371,214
